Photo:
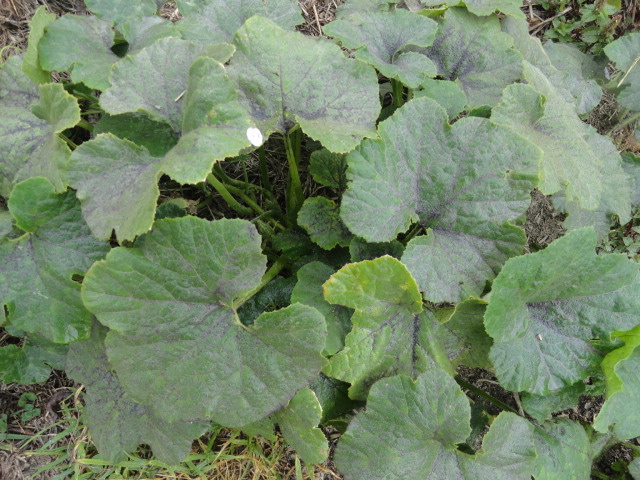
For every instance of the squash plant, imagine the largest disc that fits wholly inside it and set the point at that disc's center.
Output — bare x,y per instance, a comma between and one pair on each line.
304,309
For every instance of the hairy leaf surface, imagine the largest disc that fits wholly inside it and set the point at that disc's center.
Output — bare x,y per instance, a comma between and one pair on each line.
380,39
409,431
176,341
564,451
464,182
36,269
391,333
473,52
283,80
118,424
546,307
213,21
119,10
31,118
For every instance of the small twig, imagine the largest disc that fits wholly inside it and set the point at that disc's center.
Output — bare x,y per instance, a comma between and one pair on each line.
536,28
635,62
315,11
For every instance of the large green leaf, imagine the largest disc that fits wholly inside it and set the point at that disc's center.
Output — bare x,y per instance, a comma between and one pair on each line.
31,63
214,21
308,290
391,333
286,78
409,431
380,39
474,52
117,179
547,307
625,52
176,341
570,71
575,72
142,32
36,270
575,157
30,119
80,44
119,10
117,183
435,175
564,451
623,388
117,423
154,80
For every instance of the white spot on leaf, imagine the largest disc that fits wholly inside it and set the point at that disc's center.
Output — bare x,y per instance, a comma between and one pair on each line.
255,136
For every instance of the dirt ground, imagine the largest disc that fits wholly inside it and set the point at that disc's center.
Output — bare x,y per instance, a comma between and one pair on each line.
17,461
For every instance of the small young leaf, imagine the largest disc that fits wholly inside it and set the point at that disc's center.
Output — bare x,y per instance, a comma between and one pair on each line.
117,423
546,307
329,169
409,431
299,425
213,21
283,79
36,269
308,290
320,217
82,45
380,39
170,304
